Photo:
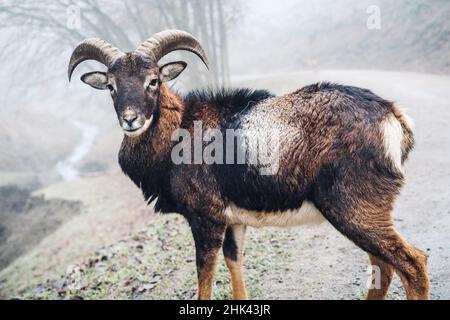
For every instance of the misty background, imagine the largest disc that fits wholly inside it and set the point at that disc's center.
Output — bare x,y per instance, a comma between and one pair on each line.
60,183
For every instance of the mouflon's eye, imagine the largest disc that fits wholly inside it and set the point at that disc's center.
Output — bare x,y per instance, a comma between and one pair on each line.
153,83
110,87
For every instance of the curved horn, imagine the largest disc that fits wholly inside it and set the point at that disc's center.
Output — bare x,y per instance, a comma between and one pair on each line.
93,49
164,42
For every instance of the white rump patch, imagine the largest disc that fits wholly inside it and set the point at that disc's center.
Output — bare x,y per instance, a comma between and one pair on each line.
393,136
306,214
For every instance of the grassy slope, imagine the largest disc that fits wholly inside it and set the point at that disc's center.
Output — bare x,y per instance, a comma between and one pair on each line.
158,263
112,207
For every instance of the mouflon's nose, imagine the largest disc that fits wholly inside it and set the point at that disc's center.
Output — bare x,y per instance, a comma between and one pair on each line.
129,116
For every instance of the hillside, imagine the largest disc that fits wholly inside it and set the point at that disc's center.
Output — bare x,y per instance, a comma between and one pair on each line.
32,144
414,35
115,247
108,207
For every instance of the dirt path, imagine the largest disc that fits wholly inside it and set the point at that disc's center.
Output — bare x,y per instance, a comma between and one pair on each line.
328,266
67,168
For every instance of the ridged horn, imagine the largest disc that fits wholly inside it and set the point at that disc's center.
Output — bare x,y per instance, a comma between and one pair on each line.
93,49
164,42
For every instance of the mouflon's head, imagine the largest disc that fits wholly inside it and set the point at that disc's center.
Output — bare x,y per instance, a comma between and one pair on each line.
134,78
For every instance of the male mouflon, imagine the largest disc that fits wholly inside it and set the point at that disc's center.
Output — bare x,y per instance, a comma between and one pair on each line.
340,158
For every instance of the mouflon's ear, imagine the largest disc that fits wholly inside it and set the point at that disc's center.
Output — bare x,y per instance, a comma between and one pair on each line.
96,79
171,70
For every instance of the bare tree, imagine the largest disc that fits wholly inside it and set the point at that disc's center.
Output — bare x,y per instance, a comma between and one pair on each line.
42,28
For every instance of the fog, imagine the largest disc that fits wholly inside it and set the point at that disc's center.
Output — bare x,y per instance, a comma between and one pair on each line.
59,137
242,39
261,37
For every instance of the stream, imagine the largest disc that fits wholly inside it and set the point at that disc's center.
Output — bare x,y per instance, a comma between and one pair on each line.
67,168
